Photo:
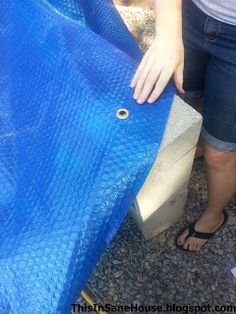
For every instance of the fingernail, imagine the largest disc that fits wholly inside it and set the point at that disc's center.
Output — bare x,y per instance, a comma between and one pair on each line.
140,101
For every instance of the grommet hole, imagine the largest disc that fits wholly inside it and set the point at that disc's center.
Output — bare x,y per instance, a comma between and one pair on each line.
122,113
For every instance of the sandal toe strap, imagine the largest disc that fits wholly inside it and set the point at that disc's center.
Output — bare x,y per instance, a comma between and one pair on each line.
199,235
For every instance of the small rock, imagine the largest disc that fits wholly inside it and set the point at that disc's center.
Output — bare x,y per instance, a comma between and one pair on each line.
118,273
215,269
116,262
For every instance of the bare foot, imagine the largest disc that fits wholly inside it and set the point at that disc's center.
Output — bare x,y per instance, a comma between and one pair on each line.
208,223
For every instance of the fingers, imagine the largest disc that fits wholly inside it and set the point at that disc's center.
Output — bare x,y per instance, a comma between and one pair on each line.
144,78
141,81
147,85
155,71
139,71
178,78
161,83
159,78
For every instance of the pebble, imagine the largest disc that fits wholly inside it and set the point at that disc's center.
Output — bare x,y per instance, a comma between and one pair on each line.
118,273
116,262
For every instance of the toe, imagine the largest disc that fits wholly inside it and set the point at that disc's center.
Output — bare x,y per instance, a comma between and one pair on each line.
191,246
186,244
198,247
182,237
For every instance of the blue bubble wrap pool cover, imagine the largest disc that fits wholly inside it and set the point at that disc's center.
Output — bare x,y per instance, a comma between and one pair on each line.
69,168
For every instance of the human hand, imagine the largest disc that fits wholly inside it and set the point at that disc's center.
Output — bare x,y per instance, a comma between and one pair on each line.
164,58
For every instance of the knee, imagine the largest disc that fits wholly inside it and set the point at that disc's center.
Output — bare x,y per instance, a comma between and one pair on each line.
217,160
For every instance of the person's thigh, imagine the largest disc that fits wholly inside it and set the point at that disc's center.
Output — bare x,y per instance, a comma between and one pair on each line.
219,108
195,68
196,58
210,72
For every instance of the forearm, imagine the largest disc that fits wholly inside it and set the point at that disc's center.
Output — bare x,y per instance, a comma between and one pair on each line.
169,18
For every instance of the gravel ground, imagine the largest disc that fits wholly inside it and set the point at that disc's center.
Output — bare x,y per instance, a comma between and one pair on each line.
133,270
141,23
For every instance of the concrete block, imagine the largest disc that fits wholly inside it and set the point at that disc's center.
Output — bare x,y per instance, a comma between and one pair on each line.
160,219
161,200
163,182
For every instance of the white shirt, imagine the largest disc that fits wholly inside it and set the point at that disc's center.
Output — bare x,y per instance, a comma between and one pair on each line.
221,10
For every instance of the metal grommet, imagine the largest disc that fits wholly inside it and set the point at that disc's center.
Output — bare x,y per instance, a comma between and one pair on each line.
122,113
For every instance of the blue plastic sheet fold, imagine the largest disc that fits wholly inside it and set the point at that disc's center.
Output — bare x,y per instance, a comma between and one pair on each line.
69,168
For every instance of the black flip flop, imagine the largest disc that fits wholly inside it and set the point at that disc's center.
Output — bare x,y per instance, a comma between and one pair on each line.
199,235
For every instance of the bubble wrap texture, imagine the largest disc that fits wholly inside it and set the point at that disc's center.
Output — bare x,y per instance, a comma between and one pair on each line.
69,168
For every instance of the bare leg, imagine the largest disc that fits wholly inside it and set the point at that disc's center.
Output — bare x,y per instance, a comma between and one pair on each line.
221,170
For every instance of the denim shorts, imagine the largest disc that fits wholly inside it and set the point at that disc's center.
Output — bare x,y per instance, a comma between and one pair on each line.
210,72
